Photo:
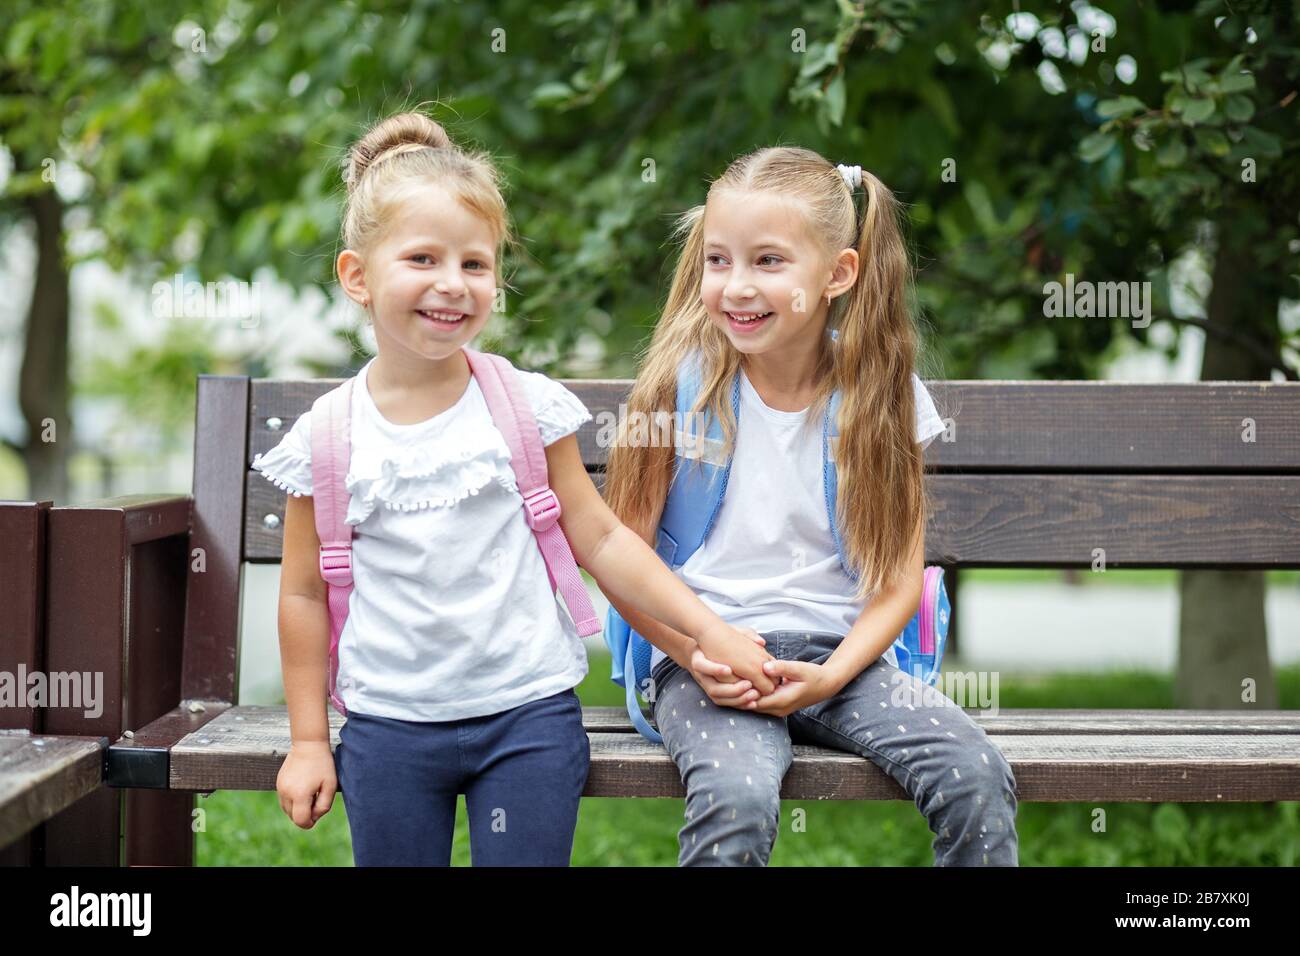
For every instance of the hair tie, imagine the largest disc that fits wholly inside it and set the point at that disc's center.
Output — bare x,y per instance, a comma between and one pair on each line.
852,175
348,164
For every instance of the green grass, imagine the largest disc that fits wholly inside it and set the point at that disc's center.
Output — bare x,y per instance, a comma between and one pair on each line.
249,829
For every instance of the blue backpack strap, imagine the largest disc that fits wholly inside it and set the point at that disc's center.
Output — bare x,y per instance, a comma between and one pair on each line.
628,654
694,498
700,470
633,707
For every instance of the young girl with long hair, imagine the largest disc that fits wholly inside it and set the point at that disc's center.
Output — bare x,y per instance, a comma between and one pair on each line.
788,300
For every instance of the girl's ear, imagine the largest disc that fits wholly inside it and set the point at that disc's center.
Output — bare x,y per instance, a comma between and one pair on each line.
844,273
352,277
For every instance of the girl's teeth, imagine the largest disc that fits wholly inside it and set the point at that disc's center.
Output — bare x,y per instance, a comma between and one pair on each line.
749,318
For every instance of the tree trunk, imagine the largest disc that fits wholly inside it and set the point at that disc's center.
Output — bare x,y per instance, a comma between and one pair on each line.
1222,633
43,378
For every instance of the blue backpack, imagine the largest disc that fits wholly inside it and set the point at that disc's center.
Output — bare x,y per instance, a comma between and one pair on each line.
694,498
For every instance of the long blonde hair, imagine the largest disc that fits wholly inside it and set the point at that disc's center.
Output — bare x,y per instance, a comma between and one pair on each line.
880,467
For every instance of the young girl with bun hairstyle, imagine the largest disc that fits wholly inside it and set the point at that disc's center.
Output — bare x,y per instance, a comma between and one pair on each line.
455,666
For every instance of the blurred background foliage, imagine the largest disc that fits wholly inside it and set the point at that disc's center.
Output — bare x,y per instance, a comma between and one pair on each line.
1103,143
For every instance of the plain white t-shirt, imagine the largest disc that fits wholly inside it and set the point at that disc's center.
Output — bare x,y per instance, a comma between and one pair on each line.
769,561
452,614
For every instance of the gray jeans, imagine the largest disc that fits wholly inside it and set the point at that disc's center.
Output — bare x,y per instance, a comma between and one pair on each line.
732,761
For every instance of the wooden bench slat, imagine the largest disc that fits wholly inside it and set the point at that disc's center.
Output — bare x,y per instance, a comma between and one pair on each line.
43,774
1139,520
1072,425
1047,768
1026,720
142,759
267,725
1042,520
1113,757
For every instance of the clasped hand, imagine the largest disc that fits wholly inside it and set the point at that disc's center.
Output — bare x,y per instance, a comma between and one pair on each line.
735,670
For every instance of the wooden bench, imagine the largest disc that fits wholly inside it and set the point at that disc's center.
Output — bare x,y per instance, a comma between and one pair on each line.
97,590
41,775
1156,474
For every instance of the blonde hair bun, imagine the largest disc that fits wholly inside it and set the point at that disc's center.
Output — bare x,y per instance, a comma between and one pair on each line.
400,133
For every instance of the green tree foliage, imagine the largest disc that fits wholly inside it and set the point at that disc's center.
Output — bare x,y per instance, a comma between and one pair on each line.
211,135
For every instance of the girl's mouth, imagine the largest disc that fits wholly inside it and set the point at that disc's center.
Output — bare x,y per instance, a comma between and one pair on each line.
747,321
441,319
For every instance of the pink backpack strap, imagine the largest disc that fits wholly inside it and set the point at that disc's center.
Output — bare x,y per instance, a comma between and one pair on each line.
331,449
513,416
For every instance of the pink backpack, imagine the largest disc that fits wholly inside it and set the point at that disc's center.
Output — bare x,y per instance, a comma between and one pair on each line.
513,416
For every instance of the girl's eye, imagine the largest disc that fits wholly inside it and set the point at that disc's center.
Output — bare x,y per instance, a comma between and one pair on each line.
775,259
421,255
709,259
476,264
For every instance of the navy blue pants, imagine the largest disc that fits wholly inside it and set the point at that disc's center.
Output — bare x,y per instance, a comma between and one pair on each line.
522,772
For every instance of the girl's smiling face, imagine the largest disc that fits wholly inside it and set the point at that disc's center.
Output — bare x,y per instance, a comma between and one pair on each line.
760,261
431,278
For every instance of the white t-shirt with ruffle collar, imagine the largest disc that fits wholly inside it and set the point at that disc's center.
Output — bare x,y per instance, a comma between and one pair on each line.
452,614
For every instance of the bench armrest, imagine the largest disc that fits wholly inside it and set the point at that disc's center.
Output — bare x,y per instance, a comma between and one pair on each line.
148,517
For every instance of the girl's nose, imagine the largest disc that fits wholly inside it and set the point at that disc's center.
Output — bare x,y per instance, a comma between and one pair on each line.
449,285
739,289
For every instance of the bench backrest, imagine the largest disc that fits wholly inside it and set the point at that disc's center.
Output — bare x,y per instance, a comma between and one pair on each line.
1029,474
